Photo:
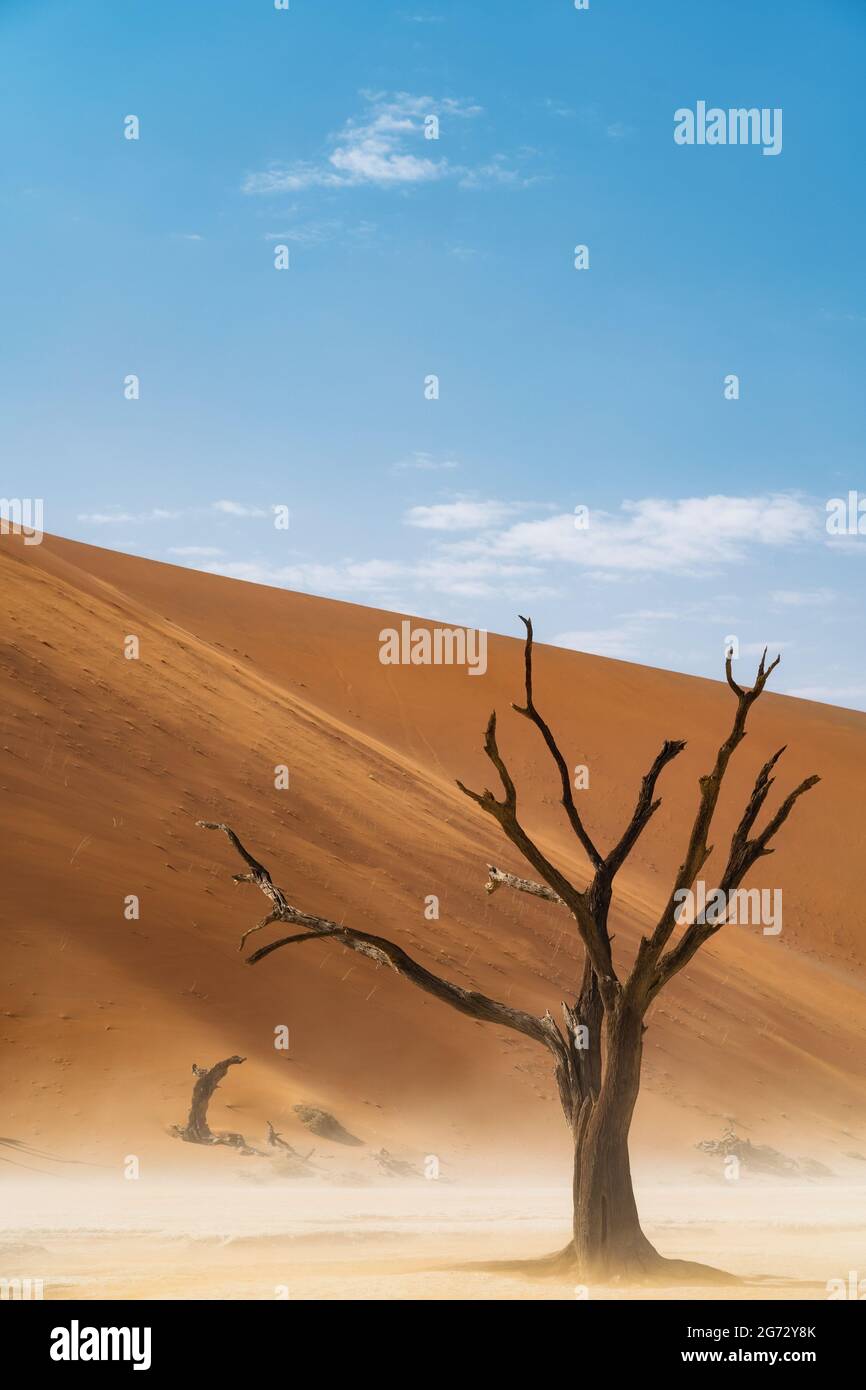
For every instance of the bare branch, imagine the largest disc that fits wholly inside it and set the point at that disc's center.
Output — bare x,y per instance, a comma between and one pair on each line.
698,850
265,922
285,941
258,875
764,673
743,854
497,877
592,934
645,808
486,799
384,952
530,712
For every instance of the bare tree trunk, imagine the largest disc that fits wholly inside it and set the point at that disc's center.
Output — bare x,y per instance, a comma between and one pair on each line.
608,1240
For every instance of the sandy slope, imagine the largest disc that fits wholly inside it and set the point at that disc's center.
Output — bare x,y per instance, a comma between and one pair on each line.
107,764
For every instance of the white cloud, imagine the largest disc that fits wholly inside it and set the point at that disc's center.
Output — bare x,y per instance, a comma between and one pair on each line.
461,252
462,515
685,536
316,233
772,646
854,695
239,509
379,579
424,462
114,516
498,170
805,598
501,557
619,642
481,578
385,147
558,108
195,551
308,233
372,148
348,577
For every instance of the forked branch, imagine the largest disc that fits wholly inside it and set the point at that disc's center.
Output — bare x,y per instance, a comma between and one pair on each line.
593,935
645,809
530,712
383,952
744,851
652,968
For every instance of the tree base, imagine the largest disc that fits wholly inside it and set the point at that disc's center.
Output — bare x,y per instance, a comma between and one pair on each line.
645,1267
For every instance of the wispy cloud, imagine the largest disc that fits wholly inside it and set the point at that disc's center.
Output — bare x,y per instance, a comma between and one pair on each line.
385,147
620,642
844,316
478,550
195,552
597,122
559,108
380,580
315,233
803,598
686,536
115,515
462,515
372,148
422,462
499,170
772,644
853,695
461,252
346,577
636,635
240,509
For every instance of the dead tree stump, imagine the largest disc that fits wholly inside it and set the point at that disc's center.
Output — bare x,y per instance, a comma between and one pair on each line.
197,1130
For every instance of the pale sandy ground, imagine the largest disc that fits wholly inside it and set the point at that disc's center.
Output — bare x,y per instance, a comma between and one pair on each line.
168,1240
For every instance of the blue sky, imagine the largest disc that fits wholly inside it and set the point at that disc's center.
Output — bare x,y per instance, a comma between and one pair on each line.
558,388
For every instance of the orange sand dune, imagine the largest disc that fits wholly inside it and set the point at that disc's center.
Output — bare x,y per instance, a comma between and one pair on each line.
108,763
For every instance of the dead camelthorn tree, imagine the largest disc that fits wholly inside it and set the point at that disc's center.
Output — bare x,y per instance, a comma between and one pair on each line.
197,1130
596,1055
